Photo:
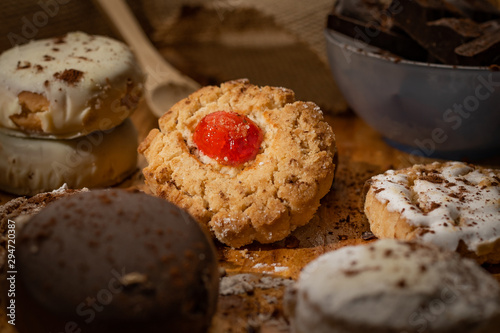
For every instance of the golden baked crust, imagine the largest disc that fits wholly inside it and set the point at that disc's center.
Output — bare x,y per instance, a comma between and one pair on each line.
453,205
263,200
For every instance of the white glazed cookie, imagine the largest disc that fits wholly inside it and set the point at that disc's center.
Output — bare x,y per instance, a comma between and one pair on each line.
29,166
453,205
391,286
68,86
264,199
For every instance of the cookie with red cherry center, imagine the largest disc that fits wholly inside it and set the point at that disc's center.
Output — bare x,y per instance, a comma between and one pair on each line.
248,162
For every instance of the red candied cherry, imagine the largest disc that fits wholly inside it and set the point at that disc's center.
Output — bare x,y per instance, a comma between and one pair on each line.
228,137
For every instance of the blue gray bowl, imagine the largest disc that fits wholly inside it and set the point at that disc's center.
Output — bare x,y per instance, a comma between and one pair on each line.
425,109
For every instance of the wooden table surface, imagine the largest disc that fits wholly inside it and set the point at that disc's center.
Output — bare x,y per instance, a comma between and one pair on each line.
338,222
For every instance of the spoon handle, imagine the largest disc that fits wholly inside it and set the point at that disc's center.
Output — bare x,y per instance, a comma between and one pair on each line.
152,62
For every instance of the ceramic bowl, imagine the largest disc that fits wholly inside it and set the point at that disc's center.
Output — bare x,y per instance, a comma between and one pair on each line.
425,109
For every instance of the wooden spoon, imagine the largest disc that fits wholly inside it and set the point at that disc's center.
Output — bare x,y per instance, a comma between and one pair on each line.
165,85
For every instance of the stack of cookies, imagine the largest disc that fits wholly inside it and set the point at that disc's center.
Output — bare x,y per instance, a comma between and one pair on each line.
64,108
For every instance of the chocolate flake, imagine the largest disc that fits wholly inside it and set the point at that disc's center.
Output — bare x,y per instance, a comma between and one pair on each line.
82,58
60,40
432,178
353,272
48,57
466,182
434,205
70,76
23,64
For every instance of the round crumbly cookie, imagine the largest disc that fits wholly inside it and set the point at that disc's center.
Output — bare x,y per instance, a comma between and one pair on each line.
29,166
392,286
153,260
68,86
264,199
452,204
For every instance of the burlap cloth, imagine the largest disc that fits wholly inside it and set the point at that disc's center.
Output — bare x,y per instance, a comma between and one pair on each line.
269,42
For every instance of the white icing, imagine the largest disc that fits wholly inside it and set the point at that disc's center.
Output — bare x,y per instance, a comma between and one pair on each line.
390,284
466,210
106,65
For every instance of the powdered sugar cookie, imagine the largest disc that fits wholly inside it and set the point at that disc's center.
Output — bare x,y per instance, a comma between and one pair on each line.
393,286
258,169
453,205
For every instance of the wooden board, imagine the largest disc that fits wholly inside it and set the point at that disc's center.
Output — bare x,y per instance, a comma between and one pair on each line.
338,222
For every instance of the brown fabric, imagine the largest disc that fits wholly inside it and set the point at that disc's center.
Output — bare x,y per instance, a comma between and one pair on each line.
271,43
24,20
36,19
280,44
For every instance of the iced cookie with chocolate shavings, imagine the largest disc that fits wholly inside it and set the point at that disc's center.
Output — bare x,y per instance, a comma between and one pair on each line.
452,204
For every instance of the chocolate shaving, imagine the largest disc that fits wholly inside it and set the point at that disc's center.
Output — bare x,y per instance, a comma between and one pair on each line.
23,65
70,76
433,178
401,283
82,58
434,205
60,40
48,58
460,196
353,272
466,182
